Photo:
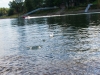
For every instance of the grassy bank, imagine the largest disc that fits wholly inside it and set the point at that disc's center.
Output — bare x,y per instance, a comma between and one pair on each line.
13,16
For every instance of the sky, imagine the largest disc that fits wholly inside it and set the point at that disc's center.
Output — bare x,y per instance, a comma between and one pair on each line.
4,3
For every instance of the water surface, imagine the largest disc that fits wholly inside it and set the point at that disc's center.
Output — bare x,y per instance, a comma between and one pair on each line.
68,44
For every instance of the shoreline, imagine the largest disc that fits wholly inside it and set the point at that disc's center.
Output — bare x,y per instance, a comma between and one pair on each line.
59,12
29,17
64,12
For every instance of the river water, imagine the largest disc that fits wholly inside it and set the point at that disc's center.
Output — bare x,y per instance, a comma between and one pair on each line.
63,45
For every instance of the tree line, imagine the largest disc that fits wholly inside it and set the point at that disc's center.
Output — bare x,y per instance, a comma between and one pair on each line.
3,11
33,4
29,5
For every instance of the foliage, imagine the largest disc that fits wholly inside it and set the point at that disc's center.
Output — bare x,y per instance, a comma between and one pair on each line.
11,12
95,2
16,6
98,3
3,11
33,4
30,5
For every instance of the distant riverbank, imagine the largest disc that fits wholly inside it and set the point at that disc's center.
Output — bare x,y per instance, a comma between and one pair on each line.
54,12
62,12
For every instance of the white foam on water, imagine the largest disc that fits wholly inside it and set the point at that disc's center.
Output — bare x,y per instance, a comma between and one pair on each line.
30,17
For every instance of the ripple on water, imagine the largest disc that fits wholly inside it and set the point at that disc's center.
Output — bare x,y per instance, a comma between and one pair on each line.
50,46
23,64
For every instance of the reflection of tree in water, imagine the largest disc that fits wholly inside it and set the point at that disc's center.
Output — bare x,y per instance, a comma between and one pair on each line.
23,22
22,37
74,20
95,19
70,28
35,21
18,22
21,34
63,21
77,21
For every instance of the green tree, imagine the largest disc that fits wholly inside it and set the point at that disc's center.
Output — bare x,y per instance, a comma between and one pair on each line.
3,11
28,5
33,4
15,7
98,3
11,12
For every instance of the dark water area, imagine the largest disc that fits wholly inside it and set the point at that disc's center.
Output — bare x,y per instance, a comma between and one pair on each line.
63,45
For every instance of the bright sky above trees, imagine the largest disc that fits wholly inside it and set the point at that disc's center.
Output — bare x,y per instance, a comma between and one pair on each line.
4,3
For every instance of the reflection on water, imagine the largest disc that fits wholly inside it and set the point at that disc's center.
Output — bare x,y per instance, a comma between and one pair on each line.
73,37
